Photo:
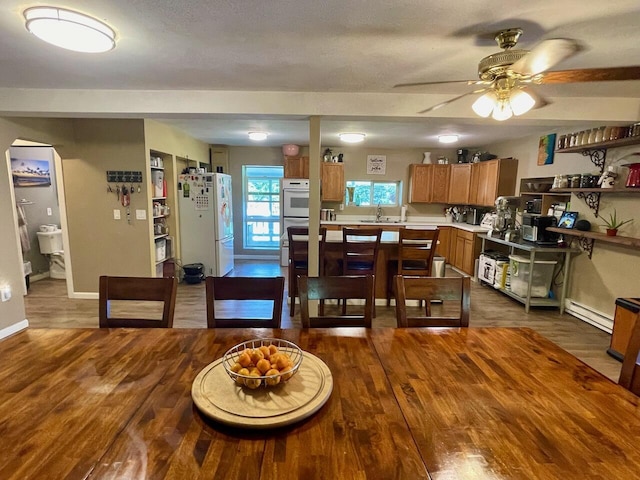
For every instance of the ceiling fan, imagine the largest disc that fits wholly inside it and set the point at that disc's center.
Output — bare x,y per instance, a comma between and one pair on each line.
505,77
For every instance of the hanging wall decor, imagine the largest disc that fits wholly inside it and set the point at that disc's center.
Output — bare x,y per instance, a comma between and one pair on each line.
30,173
376,164
545,149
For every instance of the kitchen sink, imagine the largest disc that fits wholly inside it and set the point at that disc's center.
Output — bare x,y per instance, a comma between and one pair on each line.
380,221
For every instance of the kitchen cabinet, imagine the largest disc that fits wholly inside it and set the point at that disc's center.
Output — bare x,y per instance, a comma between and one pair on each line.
463,250
161,176
492,179
444,238
459,184
429,183
332,182
624,321
296,167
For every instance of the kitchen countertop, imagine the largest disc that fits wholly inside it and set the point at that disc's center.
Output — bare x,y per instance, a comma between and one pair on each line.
409,224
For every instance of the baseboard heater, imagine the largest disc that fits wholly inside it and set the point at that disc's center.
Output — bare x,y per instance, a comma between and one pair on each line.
589,315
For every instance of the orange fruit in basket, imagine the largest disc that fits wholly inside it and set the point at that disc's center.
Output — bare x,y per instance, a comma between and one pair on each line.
244,359
256,356
273,377
240,380
273,349
236,367
253,382
263,365
282,361
265,351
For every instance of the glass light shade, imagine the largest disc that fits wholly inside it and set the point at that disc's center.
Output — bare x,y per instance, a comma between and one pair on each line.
502,111
448,138
483,106
352,137
521,102
70,30
257,136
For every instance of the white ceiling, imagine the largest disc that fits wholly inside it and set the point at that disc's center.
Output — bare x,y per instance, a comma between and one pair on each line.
218,69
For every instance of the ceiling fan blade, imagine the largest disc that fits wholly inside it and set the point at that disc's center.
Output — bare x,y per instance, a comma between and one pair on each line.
451,100
421,84
545,55
590,75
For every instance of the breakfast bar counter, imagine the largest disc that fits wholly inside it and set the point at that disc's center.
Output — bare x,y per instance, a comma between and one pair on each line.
490,403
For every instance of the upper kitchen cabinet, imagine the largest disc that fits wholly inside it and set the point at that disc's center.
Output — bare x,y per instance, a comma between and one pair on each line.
429,183
460,183
332,182
296,167
492,179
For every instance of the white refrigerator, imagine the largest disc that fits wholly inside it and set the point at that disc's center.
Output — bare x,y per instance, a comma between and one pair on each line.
206,221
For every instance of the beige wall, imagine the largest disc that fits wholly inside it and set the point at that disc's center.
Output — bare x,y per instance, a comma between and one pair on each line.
612,271
52,131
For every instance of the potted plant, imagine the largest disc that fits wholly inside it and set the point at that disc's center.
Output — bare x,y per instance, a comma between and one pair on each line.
613,224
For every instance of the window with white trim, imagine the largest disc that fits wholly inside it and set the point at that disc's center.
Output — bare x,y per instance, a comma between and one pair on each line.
261,206
367,194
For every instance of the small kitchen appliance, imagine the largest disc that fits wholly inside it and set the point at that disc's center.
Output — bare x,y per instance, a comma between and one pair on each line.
505,218
474,215
534,229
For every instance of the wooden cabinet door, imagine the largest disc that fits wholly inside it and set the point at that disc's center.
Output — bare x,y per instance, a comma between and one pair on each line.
458,255
489,178
459,183
475,186
332,182
296,167
439,191
468,259
442,249
419,183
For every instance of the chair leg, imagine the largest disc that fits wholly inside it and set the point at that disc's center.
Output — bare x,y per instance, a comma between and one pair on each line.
292,309
427,307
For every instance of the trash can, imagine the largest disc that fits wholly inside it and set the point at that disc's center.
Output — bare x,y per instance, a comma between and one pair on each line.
438,266
519,268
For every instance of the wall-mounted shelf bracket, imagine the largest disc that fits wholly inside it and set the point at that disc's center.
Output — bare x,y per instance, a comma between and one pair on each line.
592,199
586,244
597,157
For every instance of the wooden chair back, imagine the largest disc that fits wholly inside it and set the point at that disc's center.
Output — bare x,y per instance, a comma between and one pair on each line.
338,287
429,289
360,250
244,288
299,257
416,249
630,372
137,289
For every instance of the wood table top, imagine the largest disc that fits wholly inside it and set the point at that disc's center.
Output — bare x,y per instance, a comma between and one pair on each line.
485,403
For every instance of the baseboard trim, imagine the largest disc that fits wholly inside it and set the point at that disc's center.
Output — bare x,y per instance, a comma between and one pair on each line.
256,257
589,315
84,295
15,328
38,276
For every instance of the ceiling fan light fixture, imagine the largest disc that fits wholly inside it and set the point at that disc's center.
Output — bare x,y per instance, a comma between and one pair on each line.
521,102
484,105
447,138
258,136
502,111
352,137
69,29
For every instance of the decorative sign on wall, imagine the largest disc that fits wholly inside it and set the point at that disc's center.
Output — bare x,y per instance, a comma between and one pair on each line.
545,149
376,164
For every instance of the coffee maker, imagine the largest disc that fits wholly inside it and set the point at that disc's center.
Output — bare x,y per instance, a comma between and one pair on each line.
463,155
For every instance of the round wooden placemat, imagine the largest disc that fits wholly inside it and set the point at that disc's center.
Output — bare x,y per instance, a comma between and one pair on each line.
220,398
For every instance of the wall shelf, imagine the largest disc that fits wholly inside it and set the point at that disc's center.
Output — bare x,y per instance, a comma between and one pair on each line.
621,142
591,196
587,239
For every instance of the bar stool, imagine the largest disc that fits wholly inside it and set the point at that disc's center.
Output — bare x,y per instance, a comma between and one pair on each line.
416,249
360,254
299,258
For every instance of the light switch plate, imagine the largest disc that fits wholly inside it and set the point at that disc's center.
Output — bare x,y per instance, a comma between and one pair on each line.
141,214
5,293
116,214
49,212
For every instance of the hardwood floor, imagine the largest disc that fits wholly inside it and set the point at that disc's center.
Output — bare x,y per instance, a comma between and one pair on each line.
48,307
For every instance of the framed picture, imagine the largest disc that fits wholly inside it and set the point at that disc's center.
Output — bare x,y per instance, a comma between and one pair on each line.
545,149
376,164
30,173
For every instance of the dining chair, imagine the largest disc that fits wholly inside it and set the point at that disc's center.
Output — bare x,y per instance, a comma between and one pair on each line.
137,289
360,248
630,372
416,249
262,289
336,287
299,258
457,289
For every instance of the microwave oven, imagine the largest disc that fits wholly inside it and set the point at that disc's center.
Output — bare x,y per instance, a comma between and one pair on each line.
534,228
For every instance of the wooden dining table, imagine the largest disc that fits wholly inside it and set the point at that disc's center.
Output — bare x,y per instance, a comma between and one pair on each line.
472,403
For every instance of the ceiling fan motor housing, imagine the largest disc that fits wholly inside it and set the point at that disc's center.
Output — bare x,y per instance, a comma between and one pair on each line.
497,64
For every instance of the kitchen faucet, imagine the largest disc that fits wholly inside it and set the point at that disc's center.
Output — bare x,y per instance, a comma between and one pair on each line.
379,214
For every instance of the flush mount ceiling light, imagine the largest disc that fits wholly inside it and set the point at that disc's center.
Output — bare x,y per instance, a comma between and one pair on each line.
258,136
68,29
352,137
447,138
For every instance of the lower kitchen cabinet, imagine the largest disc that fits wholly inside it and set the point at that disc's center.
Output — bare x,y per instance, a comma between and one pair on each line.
444,238
463,250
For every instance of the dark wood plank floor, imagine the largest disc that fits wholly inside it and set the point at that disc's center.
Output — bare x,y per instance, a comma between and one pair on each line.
48,307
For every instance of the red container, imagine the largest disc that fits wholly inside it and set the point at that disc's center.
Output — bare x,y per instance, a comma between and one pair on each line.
633,180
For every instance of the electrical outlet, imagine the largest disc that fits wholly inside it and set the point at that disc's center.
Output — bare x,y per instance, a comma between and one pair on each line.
342,206
49,212
116,214
5,293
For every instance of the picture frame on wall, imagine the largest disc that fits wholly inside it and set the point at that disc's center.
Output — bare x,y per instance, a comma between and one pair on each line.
546,148
376,164
30,173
